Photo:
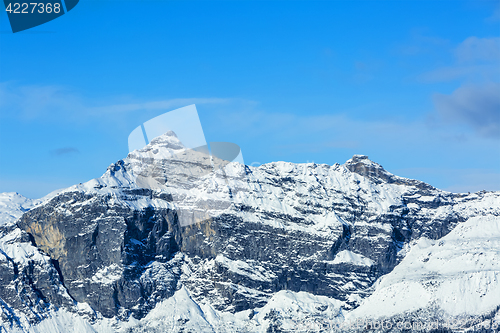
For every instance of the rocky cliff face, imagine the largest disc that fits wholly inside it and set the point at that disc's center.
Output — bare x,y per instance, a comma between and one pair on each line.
166,220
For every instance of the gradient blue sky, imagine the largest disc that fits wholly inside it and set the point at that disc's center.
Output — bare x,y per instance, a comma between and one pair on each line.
414,85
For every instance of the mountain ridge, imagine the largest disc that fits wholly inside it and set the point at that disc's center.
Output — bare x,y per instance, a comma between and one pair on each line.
223,237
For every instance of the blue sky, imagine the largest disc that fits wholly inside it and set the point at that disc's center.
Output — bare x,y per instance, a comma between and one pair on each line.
414,85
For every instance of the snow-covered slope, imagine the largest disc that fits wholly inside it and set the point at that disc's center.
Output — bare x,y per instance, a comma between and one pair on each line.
12,206
456,278
169,239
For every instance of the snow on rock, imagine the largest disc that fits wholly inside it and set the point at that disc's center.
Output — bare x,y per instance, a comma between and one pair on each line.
62,322
286,310
299,311
254,272
12,206
459,273
350,257
177,313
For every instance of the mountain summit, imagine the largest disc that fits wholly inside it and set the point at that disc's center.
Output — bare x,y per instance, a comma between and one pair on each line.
363,166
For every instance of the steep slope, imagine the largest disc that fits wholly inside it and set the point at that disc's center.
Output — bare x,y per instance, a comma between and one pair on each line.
455,281
169,224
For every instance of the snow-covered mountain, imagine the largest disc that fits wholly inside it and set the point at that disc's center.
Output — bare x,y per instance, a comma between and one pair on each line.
171,240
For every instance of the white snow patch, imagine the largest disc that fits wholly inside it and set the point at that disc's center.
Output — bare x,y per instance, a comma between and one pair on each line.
350,257
254,272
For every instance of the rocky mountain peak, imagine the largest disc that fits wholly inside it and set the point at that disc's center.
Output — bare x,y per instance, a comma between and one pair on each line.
358,158
363,166
167,140
164,146
363,159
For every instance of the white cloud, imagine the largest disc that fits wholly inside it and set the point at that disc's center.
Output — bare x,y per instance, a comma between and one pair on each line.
421,43
478,49
495,17
476,59
482,72
158,105
476,102
35,101
475,105
32,101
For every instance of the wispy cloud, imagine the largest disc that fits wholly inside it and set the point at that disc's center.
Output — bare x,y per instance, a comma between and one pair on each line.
475,59
158,105
479,72
35,101
475,105
64,151
317,147
475,49
327,132
495,17
365,71
32,101
421,43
